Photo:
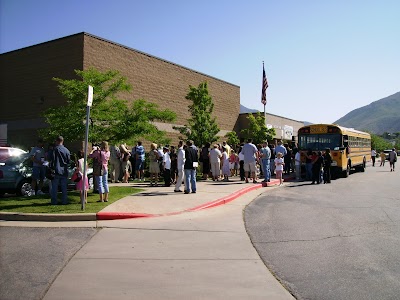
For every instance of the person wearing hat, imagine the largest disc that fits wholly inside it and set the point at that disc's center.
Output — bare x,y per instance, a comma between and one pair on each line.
167,166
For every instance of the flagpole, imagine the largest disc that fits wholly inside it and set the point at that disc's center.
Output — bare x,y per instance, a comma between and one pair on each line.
264,95
265,116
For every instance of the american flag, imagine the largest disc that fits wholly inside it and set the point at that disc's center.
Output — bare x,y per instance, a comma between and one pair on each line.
264,88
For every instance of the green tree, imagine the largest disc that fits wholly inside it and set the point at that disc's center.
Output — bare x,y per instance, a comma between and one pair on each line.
379,143
232,138
257,130
202,126
111,118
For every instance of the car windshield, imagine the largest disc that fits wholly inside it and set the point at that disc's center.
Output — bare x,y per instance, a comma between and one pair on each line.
6,153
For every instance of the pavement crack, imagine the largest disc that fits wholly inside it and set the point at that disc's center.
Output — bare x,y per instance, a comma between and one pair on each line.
387,215
321,239
305,240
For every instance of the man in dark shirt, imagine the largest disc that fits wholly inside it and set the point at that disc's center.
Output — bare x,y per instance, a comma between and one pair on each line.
59,161
191,164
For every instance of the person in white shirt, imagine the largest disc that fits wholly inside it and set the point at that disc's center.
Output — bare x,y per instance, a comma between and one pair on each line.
279,163
215,161
297,163
180,166
373,156
167,166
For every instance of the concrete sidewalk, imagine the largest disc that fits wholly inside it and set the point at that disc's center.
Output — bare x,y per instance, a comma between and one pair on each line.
198,254
179,251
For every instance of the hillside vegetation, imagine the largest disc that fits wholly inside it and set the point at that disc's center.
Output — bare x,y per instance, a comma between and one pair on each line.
378,117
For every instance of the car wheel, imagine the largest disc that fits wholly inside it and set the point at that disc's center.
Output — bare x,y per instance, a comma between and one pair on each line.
24,188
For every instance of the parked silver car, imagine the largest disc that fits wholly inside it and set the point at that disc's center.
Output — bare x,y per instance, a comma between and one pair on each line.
16,176
6,152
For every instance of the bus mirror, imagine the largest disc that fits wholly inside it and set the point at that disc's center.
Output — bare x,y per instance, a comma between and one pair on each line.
345,141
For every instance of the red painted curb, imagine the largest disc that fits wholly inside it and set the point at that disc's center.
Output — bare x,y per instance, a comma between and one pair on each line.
121,215
221,201
226,199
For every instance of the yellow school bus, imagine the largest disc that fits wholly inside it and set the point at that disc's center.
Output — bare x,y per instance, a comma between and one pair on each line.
350,148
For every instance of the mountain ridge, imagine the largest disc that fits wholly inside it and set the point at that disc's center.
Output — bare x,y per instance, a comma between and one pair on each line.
377,117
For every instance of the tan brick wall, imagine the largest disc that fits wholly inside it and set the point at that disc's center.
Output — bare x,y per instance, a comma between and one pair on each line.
27,88
162,82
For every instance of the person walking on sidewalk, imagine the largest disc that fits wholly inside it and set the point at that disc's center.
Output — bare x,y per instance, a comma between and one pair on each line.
180,166
191,164
249,151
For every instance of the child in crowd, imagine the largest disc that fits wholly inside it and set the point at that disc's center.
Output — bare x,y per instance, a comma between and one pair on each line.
279,163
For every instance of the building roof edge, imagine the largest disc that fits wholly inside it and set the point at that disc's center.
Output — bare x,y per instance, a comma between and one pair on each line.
123,46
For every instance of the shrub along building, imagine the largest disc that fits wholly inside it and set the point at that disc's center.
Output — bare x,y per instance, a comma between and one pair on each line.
27,88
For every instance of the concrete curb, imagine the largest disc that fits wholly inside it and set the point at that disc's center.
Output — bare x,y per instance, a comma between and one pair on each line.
12,216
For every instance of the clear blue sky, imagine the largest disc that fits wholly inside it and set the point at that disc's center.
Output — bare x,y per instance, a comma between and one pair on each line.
322,58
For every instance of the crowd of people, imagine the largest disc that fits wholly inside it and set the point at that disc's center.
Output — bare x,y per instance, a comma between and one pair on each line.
218,162
178,165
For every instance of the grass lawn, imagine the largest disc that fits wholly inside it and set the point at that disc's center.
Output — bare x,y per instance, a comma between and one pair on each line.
41,204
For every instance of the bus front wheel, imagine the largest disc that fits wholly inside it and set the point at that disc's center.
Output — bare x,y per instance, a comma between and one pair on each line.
346,173
362,168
